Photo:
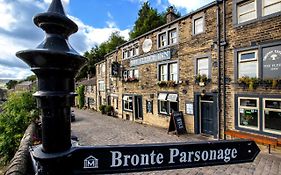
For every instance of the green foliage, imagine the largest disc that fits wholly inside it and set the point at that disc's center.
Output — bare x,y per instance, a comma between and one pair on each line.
18,112
81,96
97,53
108,108
31,78
11,84
102,108
148,19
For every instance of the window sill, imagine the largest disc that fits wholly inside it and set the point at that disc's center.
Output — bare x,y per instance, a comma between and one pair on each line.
127,110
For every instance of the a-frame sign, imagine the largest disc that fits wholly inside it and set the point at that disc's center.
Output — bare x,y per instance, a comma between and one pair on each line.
177,123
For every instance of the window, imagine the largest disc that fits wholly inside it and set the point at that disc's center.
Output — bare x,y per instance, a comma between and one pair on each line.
168,37
162,40
101,85
103,68
129,75
163,73
198,25
130,51
203,66
167,103
173,36
248,113
248,64
174,72
128,102
272,115
246,11
168,71
271,6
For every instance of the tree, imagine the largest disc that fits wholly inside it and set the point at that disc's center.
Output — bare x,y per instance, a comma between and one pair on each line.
97,53
11,84
18,112
31,78
148,19
81,96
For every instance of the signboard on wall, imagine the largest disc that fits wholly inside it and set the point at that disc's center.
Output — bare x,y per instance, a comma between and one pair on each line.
155,57
115,69
149,107
189,108
272,62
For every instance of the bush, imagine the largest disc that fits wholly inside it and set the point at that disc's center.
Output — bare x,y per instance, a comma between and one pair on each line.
81,96
108,109
102,108
18,112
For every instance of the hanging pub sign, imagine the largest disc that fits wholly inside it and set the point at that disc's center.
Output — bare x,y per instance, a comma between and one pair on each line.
115,69
177,123
272,62
149,107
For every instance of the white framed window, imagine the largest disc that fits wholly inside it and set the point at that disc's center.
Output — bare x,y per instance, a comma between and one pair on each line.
130,51
198,25
174,72
132,74
173,38
270,6
163,40
128,102
247,11
164,72
248,64
167,103
248,113
101,85
272,115
103,68
168,71
203,66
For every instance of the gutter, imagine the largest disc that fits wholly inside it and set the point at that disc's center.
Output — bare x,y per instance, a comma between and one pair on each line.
219,68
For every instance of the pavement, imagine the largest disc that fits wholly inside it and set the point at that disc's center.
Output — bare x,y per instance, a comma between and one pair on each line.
92,128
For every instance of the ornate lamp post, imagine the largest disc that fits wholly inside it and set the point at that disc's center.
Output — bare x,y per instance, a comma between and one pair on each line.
55,63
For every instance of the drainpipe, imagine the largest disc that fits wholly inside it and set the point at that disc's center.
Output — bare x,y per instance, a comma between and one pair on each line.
219,67
223,62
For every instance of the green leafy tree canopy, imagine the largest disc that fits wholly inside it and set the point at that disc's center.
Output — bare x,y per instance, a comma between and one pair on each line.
148,19
97,53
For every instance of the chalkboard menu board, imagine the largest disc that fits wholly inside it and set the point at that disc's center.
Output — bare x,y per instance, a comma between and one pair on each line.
177,123
149,107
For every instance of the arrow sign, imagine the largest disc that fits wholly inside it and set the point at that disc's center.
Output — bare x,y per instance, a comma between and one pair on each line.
136,158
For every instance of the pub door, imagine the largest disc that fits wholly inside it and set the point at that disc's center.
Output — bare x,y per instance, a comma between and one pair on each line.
207,115
138,108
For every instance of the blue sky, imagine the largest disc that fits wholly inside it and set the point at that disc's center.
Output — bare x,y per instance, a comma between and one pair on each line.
96,19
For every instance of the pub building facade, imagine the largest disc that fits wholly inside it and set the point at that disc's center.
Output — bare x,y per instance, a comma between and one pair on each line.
219,65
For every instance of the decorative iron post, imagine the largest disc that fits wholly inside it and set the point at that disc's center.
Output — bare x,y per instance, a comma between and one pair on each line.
55,63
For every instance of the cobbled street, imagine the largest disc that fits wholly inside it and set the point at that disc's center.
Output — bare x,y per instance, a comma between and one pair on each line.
92,128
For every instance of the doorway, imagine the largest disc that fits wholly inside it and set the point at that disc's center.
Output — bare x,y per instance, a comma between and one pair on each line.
138,108
207,115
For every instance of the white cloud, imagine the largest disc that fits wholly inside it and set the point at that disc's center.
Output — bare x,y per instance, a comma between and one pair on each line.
189,5
17,32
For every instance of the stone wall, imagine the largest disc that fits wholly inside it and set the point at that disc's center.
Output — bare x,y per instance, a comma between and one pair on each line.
21,163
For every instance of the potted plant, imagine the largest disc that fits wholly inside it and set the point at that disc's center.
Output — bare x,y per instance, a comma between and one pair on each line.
108,110
162,83
201,79
171,83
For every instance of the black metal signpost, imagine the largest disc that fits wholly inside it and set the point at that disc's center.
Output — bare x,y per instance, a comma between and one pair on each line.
55,63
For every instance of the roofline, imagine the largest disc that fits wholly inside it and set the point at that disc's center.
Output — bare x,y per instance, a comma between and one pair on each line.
215,2
104,60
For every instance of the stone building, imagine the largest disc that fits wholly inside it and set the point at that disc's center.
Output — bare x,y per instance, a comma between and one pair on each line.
90,92
219,65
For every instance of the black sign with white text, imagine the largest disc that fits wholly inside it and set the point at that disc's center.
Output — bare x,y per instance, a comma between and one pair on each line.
177,123
137,158
272,62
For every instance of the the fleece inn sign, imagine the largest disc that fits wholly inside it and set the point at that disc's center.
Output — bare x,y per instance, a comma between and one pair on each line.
129,158
272,62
